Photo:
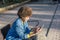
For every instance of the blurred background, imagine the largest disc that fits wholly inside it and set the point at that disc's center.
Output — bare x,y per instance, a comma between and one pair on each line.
46,13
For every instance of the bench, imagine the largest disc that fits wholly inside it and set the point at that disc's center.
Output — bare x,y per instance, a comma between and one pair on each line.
4,31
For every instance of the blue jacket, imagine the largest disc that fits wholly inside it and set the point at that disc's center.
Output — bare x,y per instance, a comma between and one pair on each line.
18,30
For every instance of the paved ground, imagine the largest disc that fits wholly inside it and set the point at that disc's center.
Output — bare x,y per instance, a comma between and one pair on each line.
43,13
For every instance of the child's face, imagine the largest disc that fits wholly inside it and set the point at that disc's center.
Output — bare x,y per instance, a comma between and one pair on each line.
27,18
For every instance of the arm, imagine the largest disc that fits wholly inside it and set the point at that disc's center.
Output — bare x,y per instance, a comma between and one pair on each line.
33,31
20,31
28,30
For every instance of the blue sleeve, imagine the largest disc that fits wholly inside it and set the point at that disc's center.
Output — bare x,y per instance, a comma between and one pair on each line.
27,28
20,31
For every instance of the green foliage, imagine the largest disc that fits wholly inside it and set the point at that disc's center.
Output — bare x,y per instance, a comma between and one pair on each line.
13,1
4,3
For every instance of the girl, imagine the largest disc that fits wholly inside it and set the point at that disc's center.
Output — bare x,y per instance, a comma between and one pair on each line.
19,29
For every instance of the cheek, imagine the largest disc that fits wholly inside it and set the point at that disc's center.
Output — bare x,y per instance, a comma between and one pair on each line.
27,19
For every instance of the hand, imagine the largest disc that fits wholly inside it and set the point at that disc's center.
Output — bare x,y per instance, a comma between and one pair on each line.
32,34
36,29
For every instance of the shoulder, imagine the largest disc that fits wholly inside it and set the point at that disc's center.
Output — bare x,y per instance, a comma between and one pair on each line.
18,21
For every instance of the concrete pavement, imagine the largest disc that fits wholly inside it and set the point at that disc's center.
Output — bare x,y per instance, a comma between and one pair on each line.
44,14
